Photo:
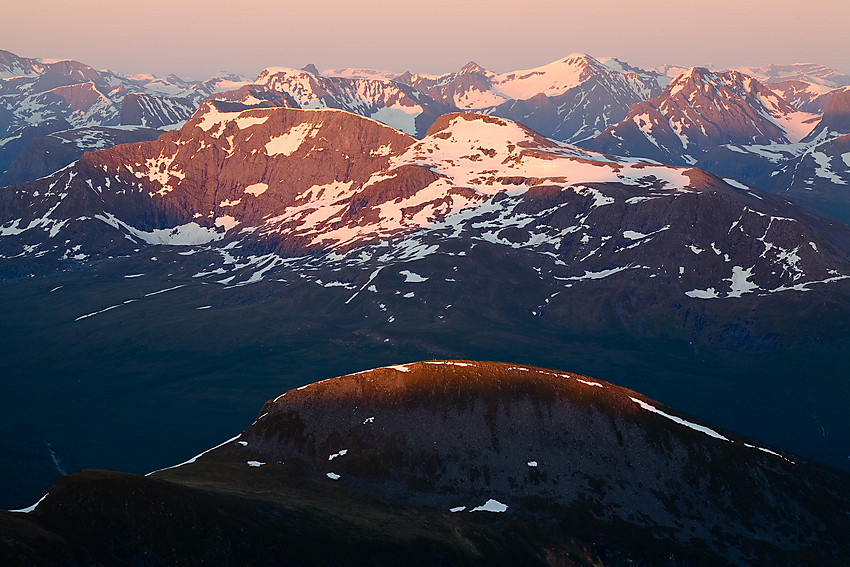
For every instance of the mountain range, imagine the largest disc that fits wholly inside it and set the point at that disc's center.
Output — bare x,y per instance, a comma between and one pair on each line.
674,115
294,181
312,224
367,227
40,98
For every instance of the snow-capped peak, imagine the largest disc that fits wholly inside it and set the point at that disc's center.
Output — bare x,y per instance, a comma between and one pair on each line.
472,67
552,79
733,89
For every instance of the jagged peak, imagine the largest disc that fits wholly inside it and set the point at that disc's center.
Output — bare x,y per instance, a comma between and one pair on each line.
269,72
579,58
310,68
692,73
620,66
698,77
471,67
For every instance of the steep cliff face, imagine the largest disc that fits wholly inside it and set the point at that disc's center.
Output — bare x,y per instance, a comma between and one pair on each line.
265,168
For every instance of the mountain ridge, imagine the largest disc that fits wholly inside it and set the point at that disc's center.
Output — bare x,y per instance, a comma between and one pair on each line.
269,177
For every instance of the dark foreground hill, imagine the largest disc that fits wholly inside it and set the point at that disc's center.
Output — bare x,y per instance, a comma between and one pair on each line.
451,463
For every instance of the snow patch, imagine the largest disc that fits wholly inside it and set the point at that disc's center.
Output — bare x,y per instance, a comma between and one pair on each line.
491,506
198,456
29,509
735,183
86,316
823,169
401,118
740,281
226,222
257,189
247,121
679,420
188,234
286,144
709,293
410,277
768,451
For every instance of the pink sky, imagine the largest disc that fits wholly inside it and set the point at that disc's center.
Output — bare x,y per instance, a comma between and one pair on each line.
194,38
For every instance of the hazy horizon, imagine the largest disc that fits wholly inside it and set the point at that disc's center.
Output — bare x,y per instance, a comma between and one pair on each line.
195,38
